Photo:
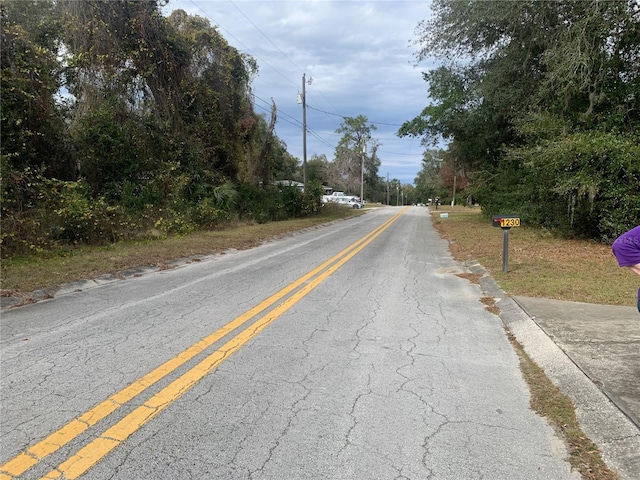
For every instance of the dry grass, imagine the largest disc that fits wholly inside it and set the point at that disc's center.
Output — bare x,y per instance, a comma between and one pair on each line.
539,264
548,401
27,274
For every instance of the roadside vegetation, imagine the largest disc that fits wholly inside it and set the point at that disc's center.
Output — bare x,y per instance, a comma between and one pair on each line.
547,400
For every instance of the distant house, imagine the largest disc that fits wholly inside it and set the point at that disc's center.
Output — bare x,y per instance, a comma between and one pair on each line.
290,183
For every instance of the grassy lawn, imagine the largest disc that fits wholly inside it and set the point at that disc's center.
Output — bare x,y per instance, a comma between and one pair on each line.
539,264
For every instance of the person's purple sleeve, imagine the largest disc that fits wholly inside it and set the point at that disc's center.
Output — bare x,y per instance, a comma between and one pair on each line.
626,248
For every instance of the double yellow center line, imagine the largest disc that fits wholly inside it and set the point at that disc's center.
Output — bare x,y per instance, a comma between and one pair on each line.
108,440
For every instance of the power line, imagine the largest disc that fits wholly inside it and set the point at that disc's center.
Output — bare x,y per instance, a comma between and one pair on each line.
322,140
328,113
264,35
268,110
403,154
344,117
240,42
279,49
298,123
295,121
281,114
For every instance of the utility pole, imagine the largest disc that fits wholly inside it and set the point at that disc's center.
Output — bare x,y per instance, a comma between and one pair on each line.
388,200
453,200
364,150
455,176
304,133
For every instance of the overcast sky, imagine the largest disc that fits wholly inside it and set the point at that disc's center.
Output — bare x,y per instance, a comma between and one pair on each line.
358,57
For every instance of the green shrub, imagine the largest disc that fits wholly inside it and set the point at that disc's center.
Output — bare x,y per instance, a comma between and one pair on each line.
175,222
581,184
312,198
276,203
208,214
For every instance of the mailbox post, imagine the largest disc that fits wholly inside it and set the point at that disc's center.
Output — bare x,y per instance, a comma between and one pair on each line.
505,222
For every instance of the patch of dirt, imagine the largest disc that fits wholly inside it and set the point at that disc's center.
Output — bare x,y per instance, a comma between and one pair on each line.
472,277
490,305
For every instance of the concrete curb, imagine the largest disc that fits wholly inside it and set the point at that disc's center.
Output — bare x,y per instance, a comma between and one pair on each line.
601,420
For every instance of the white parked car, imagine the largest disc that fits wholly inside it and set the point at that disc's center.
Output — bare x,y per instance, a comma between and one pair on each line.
355,203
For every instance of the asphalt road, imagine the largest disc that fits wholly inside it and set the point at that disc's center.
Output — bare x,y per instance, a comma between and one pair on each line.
351,351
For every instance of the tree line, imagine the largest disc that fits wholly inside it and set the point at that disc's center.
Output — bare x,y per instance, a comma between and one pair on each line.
540,105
